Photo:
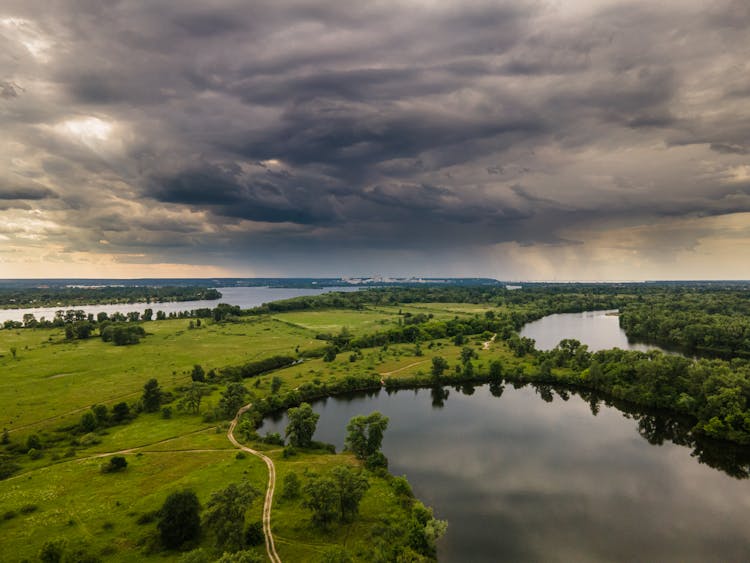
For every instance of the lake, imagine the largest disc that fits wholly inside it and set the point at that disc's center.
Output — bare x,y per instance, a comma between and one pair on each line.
522,479
599,330
245,297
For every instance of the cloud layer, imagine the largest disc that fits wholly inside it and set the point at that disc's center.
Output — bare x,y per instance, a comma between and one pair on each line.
576,140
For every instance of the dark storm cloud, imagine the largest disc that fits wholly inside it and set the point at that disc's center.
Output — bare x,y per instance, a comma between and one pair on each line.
26,190
288,126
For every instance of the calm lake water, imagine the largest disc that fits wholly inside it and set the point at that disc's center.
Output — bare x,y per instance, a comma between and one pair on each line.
245,297
522,479
599,330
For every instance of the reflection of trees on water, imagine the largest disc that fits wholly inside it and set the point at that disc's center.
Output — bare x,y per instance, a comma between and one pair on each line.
659,427
730,458
439,395
496,389
653,426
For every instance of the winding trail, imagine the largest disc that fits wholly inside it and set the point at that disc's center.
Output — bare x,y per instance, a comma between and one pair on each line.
270,547
486,345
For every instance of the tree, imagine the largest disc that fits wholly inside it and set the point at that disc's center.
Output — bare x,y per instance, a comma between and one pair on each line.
424,530
151,399
302,423
88,422
467,354
100,412
232,399
254,534
330,354
365,434
439,365
322,499
180,520
198,374
33,442
225,515
291,487
193,397
276,383
496,371
351,487
148,314
29,321
120,412
116,463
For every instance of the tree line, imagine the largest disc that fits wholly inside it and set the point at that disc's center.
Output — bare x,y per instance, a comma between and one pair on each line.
12,298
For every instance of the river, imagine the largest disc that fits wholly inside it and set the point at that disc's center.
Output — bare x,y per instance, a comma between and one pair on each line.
522,479
599,330
539,474
245,297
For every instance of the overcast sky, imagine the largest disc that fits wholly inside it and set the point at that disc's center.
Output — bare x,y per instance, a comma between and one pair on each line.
577,139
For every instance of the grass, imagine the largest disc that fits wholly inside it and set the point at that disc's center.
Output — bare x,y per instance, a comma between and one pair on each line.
297,541
75,499
333,321
52,382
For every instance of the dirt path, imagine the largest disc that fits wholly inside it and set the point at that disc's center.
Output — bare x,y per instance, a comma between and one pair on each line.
133,450
387,373
270,547
486,345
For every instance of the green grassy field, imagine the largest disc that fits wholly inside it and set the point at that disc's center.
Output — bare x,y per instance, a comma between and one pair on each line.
51,383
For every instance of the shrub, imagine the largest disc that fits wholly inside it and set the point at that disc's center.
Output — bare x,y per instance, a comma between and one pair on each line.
273,438
116,463
291,486
33,442
7,466
180,521
254,534
89,439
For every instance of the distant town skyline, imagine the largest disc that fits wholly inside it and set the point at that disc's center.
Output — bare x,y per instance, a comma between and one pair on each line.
603,140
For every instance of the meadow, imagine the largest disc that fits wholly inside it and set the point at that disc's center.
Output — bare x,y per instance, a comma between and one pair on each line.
61,493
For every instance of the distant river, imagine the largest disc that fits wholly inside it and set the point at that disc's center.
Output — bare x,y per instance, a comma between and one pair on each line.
522,479
599,330
245,297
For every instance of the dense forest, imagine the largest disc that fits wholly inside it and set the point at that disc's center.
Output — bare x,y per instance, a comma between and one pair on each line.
706,319
701,323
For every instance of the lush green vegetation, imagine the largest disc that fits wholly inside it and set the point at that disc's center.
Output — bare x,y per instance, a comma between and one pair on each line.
705,323
11,297
98,437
